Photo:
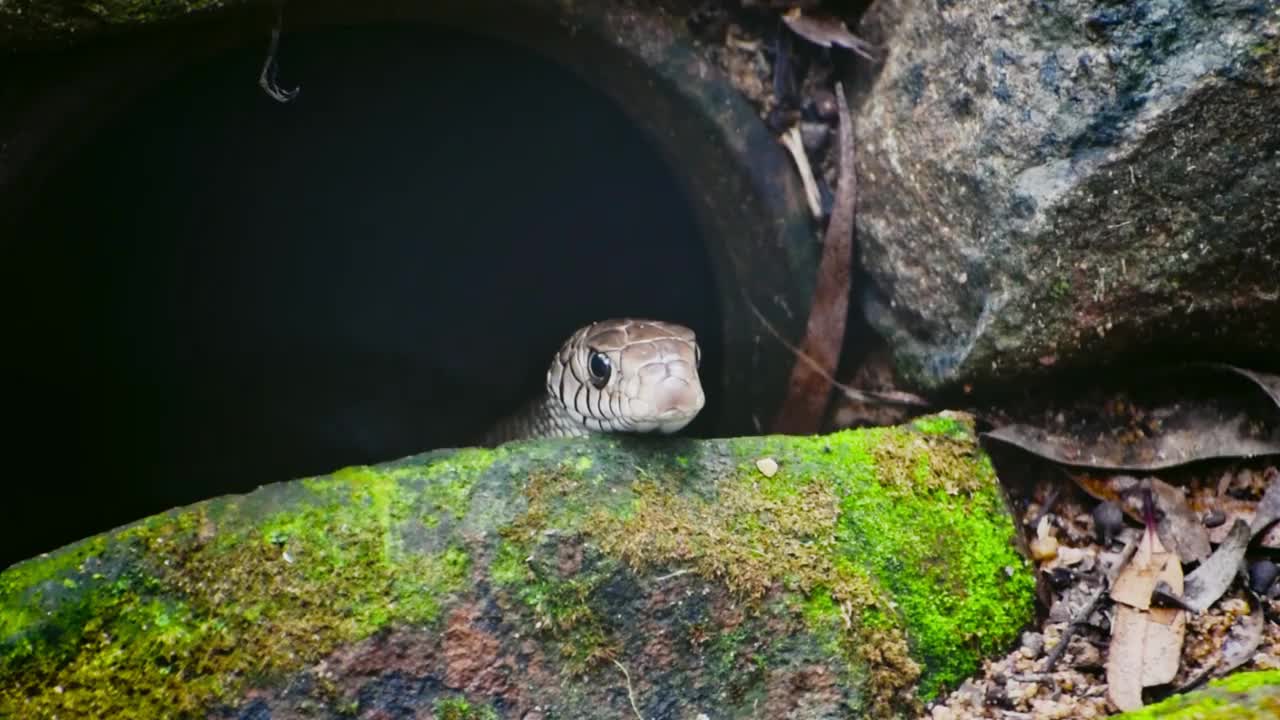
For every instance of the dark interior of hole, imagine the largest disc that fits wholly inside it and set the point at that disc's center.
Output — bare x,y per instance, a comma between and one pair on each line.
220,291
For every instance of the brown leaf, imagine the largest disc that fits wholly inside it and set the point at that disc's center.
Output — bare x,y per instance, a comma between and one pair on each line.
1162,649
1146,642
1242,641
1150,564
1270,384
1268,510
818,357
1236,509
1207,583
1124,658
1146,648
1160,420
826,30
1179,527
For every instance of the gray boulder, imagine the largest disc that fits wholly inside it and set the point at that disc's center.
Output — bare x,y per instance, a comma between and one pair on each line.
1063,184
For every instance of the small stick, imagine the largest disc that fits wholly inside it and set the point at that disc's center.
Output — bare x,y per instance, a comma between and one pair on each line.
631,693
1082,617
794,145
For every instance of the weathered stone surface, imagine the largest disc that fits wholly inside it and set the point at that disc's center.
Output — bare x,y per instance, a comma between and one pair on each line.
553,579
1242,696
1058,184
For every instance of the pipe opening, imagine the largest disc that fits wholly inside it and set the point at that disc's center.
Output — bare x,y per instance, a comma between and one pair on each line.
218,291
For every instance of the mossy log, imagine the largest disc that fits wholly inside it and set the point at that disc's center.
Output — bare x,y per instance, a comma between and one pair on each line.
1241,696
611,577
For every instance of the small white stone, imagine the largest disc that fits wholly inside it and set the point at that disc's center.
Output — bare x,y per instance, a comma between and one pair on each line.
767,466
1070,556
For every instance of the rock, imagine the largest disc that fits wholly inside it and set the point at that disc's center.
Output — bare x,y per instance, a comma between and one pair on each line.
1108,521
767,466
1214,518
1032,645
561,579
1262,573
1055,185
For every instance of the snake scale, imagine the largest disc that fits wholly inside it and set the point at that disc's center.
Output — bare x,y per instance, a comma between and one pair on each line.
617,375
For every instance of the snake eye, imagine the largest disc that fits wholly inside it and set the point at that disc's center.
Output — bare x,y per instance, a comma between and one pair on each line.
600,367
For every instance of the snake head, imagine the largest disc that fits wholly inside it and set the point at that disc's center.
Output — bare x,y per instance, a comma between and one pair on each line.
629,375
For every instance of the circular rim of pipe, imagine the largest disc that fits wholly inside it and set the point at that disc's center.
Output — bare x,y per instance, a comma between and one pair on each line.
735,175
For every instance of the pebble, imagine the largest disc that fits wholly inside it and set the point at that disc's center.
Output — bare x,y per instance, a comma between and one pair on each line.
1032,644
1214,518
1051,709
767,466
1262,574
1044,548
1061,578
1070,556
1108,521
1085,656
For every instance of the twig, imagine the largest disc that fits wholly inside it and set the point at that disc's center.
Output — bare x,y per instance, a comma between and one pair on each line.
868,396
794,145
670,575
1054,492
1082,617
808,394
631,693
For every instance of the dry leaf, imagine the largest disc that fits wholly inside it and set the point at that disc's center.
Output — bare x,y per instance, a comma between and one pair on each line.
1242,641
1268,510
1120,489
1146,648
1155,422
1124,658
1179,527
1146,642
1236,509
826,30
1166,628
1150,564
1207,582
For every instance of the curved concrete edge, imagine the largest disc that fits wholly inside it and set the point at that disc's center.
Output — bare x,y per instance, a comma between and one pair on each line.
734,173
516,578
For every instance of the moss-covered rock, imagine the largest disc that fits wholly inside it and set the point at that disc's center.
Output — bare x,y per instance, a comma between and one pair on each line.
873,570
1242,696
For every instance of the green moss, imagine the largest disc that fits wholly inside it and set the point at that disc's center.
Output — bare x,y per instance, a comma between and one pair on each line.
1242,696
460,709
508,568
200,611
861,525
851,537
955,427
561,608
1245,681
1061,289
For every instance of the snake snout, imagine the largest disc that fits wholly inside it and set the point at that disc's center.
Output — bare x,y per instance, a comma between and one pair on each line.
676,401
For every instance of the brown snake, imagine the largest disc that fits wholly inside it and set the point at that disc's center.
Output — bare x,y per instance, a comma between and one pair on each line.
619,375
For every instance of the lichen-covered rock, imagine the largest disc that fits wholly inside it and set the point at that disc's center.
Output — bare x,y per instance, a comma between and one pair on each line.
567,579
1242,696
1055,184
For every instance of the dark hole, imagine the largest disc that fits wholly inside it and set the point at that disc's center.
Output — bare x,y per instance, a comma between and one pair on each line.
220,291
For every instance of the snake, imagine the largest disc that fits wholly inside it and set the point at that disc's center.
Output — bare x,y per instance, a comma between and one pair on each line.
621,375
